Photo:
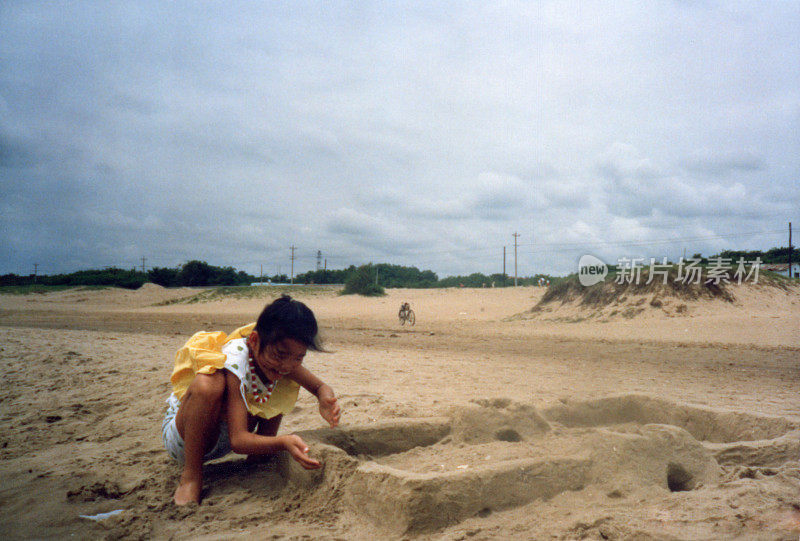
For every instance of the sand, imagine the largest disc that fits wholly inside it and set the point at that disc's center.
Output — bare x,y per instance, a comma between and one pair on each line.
482,421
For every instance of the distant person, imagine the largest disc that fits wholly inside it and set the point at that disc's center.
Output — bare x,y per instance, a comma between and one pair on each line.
230,393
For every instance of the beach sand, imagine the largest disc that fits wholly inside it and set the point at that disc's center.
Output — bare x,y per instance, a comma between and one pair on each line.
482,421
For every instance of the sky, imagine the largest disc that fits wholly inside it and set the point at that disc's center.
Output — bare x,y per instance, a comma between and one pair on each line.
415,133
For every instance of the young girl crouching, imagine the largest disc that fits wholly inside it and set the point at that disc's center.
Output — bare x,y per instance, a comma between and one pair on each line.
230,393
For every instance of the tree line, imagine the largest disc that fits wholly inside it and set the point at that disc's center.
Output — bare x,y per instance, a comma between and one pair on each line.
190,274
771,256
372,277
200,273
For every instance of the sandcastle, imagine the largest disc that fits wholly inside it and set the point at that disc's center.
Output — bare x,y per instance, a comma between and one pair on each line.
417,475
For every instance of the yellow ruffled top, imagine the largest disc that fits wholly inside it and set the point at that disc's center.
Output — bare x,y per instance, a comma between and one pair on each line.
202,354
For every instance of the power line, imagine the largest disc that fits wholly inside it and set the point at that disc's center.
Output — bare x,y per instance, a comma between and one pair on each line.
489,249
790,250
551,248
542,248
566,247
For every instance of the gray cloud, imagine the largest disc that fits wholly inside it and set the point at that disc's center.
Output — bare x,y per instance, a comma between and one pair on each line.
378,132
635,187
725,165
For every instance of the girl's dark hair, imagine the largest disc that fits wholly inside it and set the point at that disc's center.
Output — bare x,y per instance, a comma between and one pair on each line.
287,318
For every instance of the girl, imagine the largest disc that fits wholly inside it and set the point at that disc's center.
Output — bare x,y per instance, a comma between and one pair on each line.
230,393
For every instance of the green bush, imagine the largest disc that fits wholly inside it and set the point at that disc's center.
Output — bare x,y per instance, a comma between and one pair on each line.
362,282
200,273
163,276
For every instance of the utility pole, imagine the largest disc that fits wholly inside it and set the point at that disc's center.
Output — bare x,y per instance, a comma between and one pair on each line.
319,259
143,260
533,248
261,275
515,258
790,250
36,268
291,279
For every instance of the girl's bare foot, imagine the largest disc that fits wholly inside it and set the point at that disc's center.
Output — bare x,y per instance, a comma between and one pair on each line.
188,492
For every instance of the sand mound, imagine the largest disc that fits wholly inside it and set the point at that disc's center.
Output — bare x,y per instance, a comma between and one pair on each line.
87,298
151,288
673,297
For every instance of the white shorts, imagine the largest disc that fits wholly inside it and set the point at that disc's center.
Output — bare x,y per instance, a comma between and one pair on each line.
173,442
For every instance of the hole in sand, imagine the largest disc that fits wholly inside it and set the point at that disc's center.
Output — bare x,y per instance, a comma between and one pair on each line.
384,438
507,434
678,479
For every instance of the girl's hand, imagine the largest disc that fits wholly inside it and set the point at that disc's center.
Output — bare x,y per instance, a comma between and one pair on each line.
328,406
299,451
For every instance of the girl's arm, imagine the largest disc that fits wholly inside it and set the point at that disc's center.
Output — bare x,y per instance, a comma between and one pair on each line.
328,407
246,443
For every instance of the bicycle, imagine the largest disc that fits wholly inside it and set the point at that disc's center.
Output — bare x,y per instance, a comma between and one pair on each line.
406,314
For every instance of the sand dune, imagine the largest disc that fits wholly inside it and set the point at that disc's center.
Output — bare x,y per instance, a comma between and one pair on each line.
482,421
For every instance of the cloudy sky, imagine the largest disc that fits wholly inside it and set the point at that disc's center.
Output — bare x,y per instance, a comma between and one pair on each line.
421,134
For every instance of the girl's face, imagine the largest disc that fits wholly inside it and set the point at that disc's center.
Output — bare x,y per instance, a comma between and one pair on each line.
279,359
